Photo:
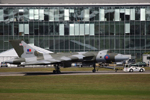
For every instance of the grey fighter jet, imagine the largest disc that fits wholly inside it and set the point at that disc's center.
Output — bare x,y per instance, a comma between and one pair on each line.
30,56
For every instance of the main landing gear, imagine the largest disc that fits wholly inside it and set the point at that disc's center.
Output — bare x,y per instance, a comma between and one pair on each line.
57,69
94,70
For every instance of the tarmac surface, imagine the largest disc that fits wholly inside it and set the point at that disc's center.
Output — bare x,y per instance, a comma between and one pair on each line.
70,73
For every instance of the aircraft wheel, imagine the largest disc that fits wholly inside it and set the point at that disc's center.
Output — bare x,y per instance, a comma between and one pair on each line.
116,70
54,71
58,71
93,70
23,65
141,70
131,70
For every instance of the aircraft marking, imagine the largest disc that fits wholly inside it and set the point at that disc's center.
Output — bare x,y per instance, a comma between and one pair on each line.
107,57
28,50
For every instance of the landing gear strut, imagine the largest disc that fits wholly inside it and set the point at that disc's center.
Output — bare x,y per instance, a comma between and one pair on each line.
94,70
57,69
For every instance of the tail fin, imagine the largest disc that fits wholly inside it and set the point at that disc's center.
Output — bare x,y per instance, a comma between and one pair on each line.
23,50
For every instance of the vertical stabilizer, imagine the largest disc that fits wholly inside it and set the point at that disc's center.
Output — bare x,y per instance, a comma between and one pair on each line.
23,50
17,46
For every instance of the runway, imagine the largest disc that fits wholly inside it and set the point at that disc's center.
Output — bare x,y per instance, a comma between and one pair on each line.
70,73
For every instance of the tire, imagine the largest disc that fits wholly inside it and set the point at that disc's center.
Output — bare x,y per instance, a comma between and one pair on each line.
131,70
54,71
58,72
23,65
93,71
141,70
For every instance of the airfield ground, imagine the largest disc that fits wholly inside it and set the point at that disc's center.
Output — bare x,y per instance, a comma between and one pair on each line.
73,87
47,69
50,69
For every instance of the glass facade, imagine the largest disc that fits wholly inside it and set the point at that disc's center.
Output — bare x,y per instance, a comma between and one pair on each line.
121,29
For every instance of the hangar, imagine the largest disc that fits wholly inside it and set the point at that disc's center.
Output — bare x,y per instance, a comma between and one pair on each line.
122,26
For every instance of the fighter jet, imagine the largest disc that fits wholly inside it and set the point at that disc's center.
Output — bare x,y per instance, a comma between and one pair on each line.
30,56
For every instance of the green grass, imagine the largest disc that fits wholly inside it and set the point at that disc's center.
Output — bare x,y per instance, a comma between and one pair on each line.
147,68
75,87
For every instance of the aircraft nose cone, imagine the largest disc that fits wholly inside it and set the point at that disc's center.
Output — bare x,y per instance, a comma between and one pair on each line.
120,57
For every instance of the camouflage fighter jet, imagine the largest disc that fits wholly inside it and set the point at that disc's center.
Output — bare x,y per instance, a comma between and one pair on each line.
29,56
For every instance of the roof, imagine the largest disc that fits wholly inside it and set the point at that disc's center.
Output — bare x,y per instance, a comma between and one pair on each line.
70,1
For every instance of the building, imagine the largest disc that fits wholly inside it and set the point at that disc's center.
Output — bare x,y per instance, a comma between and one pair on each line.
120,26
146,59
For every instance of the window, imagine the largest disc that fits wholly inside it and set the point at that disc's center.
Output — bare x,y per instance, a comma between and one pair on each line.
86,15
36,14
1,15
66,14
31,14
71,29
122,14
56,14
21,15
31,41
61,29
77,29
21,10
148,13
87,29
127,14
81,29
41,14
92,29
72,15
26,28
51,15
23,29
142,14
101,15
137,13
127,27
117,15
132,17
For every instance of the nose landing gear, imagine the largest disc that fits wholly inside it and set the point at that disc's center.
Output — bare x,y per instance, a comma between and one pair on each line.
94,70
